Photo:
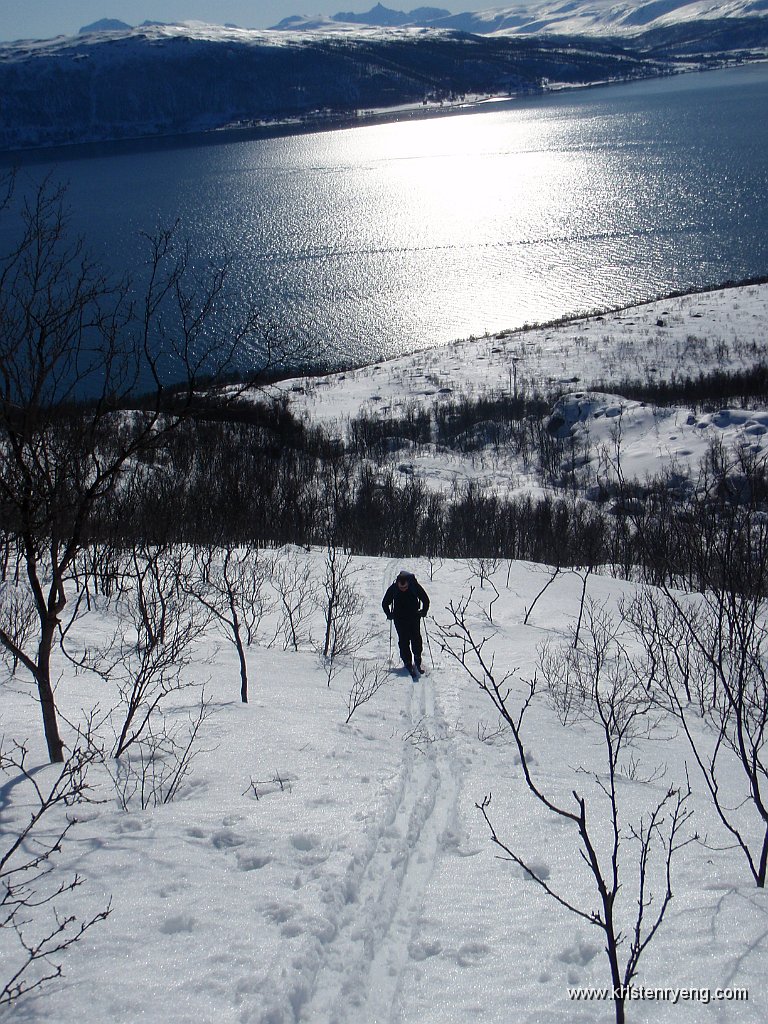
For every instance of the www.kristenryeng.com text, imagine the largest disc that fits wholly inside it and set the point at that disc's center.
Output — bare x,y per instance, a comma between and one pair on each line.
659,994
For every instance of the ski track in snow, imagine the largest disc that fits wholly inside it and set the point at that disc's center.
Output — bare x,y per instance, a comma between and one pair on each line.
360,972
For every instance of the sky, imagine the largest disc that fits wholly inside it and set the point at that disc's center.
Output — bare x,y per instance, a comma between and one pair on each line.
41,19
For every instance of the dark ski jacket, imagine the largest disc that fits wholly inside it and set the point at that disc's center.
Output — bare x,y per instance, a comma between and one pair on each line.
406,605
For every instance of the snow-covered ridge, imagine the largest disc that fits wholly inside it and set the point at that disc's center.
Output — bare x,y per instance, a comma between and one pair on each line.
607,17
531,17
103,43
539,17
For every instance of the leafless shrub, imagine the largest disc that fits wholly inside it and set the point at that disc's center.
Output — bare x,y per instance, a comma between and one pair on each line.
296,590
593,677
707,664
35,927
231,586
98,571
483,569
553,574
367,680
489,734
341,605
435,564
18,621
153,770
281,782
158,623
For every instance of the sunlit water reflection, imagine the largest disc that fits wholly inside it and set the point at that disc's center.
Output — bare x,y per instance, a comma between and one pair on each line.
379,239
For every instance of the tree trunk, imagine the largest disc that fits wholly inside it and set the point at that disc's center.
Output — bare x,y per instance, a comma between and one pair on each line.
611,949
45,691
240,651
243,671
762,869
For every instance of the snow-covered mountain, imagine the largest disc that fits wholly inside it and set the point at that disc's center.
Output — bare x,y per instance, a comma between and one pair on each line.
542,17
529,17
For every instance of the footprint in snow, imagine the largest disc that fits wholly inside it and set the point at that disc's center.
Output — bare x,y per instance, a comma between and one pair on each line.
326,800
471,953
222,839
130,824
424,948
278,912
319,927
225,839
178,924
252,861
580,953
304,841
173,889
451,841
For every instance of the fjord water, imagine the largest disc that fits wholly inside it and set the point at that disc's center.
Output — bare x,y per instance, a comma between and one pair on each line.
379,239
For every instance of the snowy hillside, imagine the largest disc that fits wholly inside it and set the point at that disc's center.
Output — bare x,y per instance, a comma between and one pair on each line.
326,855
319,870
665,341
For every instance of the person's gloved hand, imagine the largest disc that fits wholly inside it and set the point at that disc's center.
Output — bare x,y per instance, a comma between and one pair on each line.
389,615
423,613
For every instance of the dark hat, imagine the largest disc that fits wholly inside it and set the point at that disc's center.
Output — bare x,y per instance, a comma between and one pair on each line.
403,575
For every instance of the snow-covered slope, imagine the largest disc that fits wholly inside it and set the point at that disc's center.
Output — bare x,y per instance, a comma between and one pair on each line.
319,871
672,339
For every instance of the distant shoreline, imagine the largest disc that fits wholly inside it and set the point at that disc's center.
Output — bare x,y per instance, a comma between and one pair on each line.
323,121
280,128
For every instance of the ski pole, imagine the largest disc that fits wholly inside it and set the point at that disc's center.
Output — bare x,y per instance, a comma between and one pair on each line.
429,645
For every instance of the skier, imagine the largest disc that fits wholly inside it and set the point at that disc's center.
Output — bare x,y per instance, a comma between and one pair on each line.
406,602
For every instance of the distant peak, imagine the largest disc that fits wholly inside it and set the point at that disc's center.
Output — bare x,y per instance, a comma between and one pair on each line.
105,25
387,17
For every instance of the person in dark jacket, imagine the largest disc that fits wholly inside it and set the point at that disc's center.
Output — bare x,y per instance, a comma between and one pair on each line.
406,603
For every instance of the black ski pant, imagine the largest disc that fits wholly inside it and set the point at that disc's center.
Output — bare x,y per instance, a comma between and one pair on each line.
409,639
